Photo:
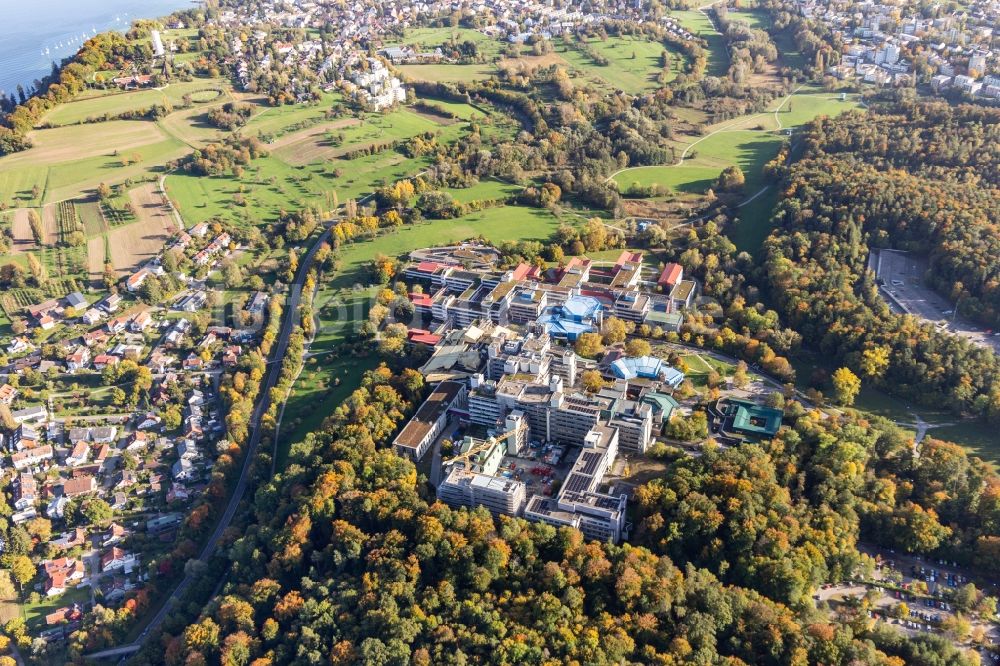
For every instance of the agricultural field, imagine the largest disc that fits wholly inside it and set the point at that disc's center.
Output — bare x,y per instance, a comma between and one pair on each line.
24,239
65,144
75,180
50,226
24,185
633,64
134,244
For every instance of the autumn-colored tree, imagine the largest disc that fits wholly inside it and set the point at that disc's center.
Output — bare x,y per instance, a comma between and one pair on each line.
589,345
638,347
614,330
846,386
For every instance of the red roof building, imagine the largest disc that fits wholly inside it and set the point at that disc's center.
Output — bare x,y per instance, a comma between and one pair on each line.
627,257
422,337
671,275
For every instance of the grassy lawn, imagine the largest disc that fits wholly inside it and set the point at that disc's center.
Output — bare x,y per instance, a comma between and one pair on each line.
192,125
706,160
114,102
34,614
484,190
701,26
495,224
754,222
269,186
445,73
460,110
373,129
755,18
633,63
316,396
804,106
276,119
748,142
690,178
428,39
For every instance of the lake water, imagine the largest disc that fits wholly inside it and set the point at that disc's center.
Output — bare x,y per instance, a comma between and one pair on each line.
36,33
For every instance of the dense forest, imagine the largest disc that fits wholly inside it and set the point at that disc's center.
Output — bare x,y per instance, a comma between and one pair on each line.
916,176
349,559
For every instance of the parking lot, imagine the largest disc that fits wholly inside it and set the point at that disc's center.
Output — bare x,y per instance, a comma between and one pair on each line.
901,280
926,587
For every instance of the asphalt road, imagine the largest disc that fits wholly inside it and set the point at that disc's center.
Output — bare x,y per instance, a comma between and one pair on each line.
270,379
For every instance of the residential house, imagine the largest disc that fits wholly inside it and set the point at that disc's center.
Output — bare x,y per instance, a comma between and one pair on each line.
76,301
111,303
141,321
80,454
81,485
94,338
23,460
57,507
25,492
68,615
46,322
116,559
8,394
136,280
19,345
193,362
117,325
92,316
60,573
119,501
104,434
73,538
78,360
183,470
115,534
102,361
38,311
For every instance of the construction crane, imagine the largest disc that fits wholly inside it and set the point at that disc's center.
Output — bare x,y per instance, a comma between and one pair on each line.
479,448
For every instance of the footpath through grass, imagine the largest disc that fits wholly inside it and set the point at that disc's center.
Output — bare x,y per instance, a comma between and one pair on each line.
700,25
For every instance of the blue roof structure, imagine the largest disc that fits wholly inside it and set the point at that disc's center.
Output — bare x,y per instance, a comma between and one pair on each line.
581,308
571,319
647,367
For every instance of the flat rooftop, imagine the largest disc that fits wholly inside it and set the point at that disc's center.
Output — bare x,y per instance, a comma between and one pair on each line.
423,421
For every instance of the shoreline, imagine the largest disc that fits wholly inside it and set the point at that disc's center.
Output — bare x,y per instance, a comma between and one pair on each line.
37,55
